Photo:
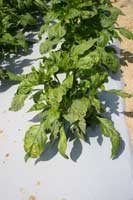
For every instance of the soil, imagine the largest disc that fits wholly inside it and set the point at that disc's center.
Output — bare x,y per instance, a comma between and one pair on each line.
127,59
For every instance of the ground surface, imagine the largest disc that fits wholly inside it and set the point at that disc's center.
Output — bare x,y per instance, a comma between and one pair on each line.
127,58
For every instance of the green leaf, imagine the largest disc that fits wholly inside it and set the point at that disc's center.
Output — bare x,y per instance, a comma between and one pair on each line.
81,48
82,126
108,130
116,141
48,45
110,61
56,31
17,102
88,61
27,19
126,33
68,82
55,95
97,104
52,115
72,13
37,106
62,145
109,16
103,39
34,141
54,131
85,14
120,93
21,40
42,30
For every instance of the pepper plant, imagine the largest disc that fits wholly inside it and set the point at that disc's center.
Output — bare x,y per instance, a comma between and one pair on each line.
84,29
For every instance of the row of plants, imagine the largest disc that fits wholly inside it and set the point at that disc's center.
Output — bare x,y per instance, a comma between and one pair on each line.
84,30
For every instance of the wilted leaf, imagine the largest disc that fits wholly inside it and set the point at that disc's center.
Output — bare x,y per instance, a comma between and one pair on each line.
126,33
120,93
108,130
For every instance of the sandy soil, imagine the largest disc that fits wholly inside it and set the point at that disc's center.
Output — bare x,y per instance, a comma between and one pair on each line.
127,59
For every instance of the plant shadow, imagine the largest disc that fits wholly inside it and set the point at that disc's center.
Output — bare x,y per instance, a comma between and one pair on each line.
126,57
76,150
49,152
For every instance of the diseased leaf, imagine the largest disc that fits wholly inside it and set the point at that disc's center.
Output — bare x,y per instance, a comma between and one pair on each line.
34,141
62,145
77,110
17,102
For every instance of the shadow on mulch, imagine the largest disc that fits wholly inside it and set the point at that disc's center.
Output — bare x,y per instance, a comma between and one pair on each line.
126,57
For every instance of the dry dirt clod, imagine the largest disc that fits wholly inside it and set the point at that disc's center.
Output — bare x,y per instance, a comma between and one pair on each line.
1,131
38,183
23,190
32,197
7,155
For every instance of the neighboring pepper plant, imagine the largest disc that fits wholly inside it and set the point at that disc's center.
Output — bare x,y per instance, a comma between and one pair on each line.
84,29
17,17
